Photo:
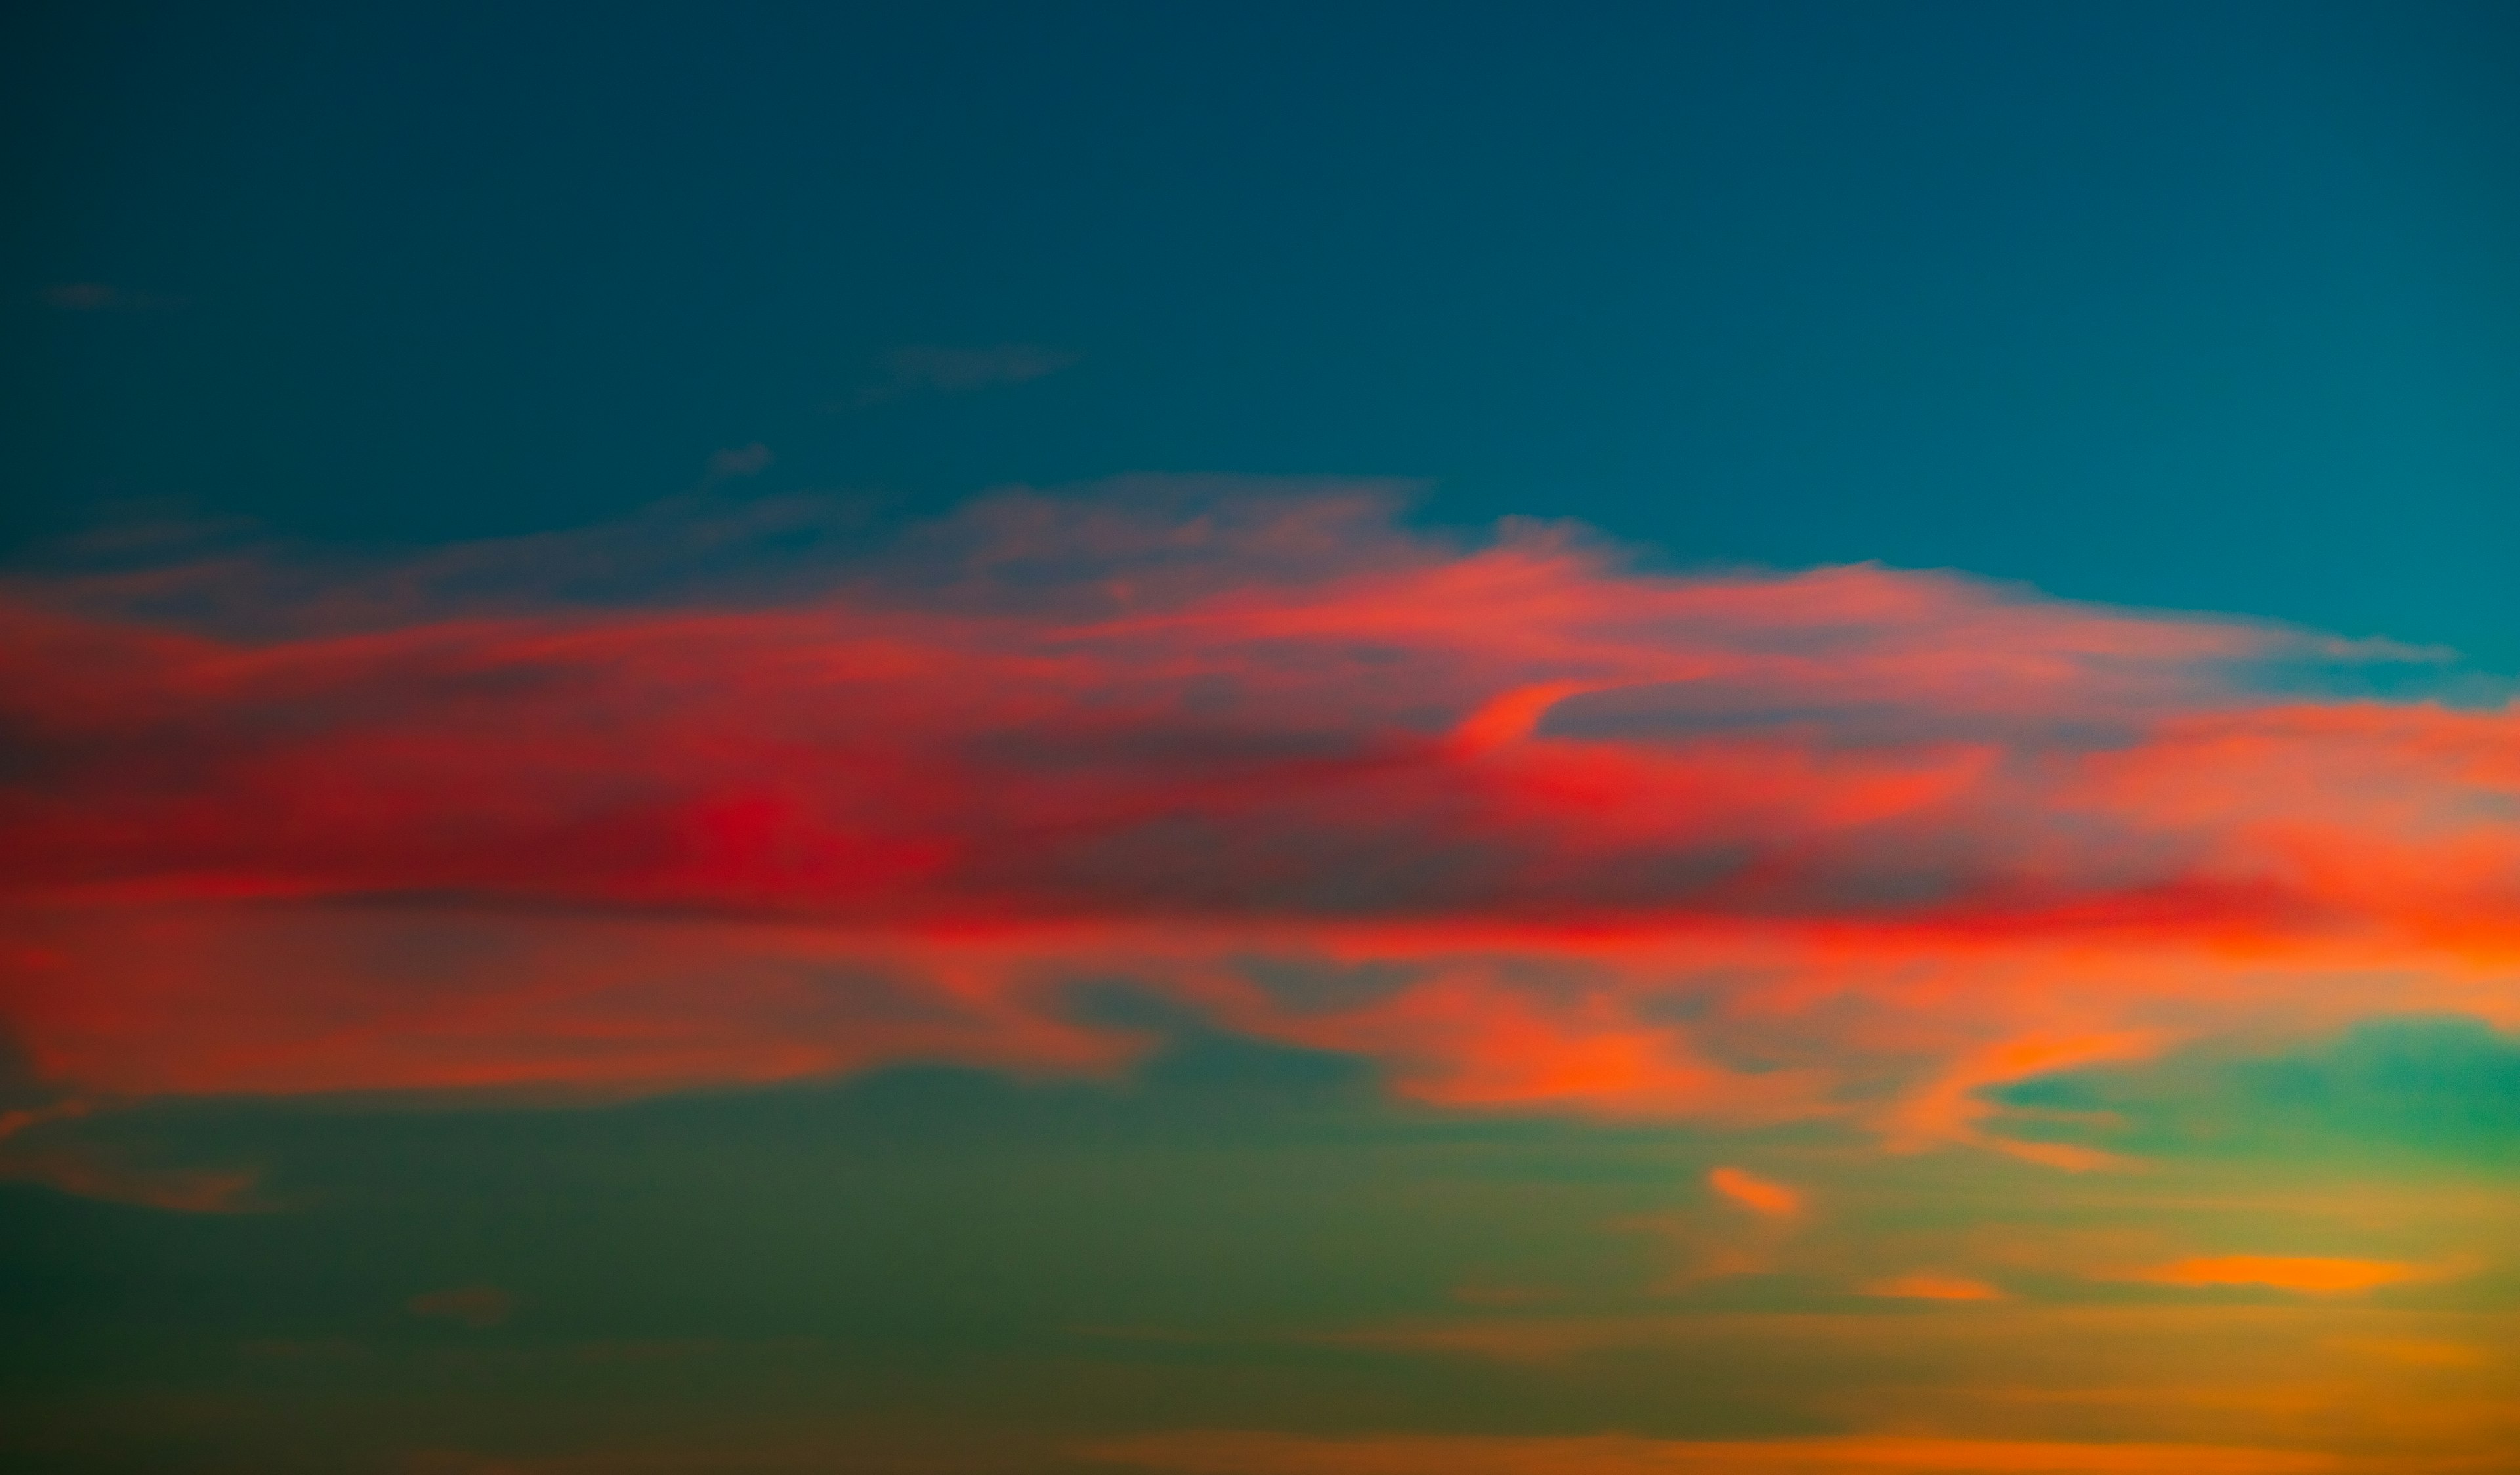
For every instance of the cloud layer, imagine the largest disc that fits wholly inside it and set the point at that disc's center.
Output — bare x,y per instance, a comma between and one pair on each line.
1533,828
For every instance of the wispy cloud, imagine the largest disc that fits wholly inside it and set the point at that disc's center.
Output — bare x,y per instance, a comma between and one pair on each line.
736,463
21,1118
1529,829
479,1307
1951,1107
960,371
1930,1285
1756,1194
1244,1454
86,1170
85,1173
2317,1275
98,297
83,296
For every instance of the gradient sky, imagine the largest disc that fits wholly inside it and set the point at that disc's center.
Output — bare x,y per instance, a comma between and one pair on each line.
1362,740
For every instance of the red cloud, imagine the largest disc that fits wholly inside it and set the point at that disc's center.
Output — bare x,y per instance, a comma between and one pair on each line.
1531,828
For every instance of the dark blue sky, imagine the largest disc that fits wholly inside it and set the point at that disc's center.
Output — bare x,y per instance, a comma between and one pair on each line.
2210,307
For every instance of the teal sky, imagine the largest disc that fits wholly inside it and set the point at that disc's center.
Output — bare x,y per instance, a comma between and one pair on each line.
1136,739
2200,306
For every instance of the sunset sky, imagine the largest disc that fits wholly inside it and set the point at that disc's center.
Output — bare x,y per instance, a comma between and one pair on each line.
1091,739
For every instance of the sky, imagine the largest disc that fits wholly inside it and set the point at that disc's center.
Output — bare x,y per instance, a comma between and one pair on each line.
1305,740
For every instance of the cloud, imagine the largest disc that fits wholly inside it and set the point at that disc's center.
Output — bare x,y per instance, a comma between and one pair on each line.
1952,1108
2416,1352
97,297
1756,1194
959,371
86,1170
1928,1285
742,461
2313,1276
1241,1453
85,1173
20,1119
1528,828
83,296
479,1307
1695,1252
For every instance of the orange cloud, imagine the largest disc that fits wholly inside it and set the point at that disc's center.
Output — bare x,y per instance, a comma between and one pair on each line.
1237,1454
1951,1109
2308,1275
1756,1194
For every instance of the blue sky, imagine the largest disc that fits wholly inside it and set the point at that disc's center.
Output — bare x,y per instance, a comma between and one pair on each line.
2197,306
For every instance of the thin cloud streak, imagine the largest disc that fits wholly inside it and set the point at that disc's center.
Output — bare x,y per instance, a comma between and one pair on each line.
1927,1285
936,369
2314,1275
1241,1453
101,297
1754,1193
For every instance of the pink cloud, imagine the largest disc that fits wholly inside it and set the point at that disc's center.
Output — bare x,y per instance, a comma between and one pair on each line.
1532,830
